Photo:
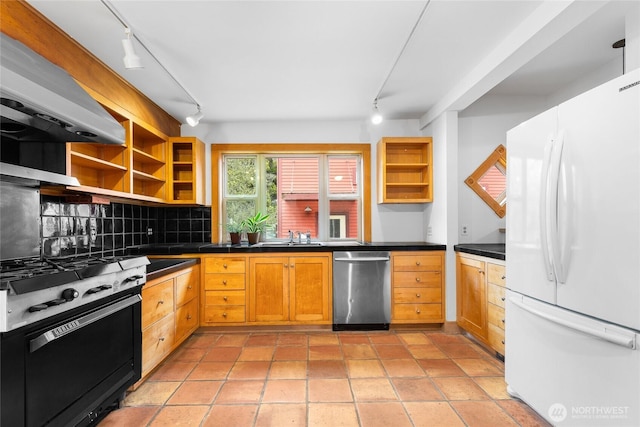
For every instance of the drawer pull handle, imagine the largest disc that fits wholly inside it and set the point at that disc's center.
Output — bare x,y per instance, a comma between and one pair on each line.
504,277
224,282
418,311
417,279
189,316
418,295
502,320
224,314
161,339
224,298
502,298
189,287
160,302
417,262
502,341
224,265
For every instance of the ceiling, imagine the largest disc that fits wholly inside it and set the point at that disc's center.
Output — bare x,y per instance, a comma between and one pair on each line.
328,60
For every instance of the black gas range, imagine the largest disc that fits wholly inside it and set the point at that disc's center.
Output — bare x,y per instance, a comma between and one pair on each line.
70,337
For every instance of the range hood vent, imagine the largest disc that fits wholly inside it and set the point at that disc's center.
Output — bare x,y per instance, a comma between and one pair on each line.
42,102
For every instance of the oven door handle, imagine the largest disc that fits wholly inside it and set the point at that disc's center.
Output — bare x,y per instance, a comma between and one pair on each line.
74,325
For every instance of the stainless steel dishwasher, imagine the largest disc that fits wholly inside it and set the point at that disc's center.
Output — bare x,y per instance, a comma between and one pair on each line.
361,290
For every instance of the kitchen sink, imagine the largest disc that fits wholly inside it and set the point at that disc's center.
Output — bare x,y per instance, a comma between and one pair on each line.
287,244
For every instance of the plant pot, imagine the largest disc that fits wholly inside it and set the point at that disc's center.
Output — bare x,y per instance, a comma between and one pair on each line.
253,238
235,238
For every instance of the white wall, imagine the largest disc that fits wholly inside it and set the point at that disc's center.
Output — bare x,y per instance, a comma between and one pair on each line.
389,222
482,127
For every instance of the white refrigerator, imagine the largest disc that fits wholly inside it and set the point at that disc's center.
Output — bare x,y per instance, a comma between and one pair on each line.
573,258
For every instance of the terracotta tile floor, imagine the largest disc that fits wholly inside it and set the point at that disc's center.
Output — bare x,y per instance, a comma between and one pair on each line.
324,378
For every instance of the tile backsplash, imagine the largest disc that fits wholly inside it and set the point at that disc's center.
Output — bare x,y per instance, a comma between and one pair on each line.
104,230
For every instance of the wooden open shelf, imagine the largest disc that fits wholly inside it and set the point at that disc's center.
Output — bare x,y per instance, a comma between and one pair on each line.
187,171
405,170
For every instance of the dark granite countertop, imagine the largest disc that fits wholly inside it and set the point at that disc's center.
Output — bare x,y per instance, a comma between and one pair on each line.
491,250
212,248
162,266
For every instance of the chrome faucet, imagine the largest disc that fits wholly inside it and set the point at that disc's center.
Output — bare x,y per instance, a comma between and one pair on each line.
290,236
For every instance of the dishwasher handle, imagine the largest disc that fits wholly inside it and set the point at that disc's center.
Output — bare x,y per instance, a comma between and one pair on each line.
363,259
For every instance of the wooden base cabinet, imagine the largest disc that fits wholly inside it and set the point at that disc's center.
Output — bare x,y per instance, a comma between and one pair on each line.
290,289
480,287
224,299
417,283
169,314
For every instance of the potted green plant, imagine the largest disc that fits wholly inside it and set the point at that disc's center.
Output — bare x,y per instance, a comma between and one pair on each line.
235,231
254,225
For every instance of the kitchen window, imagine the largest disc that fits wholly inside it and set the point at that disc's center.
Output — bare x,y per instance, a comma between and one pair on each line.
316,188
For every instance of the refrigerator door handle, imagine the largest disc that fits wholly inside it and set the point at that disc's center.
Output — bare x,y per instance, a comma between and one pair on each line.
623,341
554,179
545,213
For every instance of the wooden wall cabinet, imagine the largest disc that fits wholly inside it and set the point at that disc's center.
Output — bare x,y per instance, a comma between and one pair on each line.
187,171
290,289
405,170
417,287
480,287
169,314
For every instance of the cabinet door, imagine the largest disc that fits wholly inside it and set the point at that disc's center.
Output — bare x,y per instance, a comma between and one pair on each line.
269,290
471,293
309,288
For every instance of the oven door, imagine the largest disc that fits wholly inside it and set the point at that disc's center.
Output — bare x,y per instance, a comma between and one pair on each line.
75,366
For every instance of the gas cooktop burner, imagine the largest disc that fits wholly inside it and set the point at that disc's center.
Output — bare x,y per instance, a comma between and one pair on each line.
28,275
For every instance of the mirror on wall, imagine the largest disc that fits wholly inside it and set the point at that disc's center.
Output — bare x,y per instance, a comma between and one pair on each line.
489,181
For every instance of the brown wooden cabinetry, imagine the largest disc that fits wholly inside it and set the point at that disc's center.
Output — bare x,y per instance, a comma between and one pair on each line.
290,289
149,163
417,283
224,290
405,171
480,298
187,171
169,314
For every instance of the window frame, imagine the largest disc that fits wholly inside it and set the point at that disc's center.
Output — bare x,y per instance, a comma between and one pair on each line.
217,169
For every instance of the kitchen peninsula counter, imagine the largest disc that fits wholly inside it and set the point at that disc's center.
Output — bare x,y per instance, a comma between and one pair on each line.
489,250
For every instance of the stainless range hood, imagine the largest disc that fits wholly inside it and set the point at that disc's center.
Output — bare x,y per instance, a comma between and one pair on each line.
41,102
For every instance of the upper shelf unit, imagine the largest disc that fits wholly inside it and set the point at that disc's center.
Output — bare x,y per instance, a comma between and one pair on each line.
405,171
187,171
149,159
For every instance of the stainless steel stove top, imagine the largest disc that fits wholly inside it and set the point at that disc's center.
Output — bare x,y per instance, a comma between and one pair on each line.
35,289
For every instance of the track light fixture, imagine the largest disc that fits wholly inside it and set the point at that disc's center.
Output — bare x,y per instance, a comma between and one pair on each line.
376,117
131,60
194,119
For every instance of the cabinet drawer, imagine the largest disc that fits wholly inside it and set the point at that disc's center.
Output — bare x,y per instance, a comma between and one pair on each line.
186,319
496,316
417,263
495,295
224,265
417,279
186,287
224,298
157,302
417,312
496,338
496,274
416,295
156,342
223,281
224,313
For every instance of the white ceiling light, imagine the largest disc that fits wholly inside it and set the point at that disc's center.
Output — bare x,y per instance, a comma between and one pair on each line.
131,60
376,117
194,119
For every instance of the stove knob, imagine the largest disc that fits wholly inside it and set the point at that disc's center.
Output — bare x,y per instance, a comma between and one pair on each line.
70,294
